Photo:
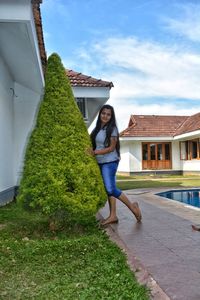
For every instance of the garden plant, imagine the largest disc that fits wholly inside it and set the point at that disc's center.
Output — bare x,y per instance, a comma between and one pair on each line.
59,177
60,181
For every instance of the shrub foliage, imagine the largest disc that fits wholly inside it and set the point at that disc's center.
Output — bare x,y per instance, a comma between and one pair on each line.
59,175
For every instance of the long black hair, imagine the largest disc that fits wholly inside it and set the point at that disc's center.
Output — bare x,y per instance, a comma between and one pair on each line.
109,127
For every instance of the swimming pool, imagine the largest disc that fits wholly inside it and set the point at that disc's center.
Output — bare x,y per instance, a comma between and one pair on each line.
191,197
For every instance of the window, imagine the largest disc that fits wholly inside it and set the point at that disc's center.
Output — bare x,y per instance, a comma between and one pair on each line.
194,149
145,152
190,149
152,151
81,102
156,156
156,151
159,152
167,152
184,150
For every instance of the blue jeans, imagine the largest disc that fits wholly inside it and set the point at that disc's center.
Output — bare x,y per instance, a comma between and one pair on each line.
108,172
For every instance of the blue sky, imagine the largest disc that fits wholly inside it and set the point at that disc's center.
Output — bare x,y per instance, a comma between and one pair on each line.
150,50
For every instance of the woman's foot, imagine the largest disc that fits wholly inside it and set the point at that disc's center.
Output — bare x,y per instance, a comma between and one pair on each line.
136,211
196,227
109,220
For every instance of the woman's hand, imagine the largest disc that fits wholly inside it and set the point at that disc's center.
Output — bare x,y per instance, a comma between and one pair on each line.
90,151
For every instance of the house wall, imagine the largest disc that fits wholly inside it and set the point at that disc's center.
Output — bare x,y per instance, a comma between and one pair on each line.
124,163
176,162
19,44
93,107
26,106
18,109
21,83
135,157
187,166
131,157
191,166
6,128
96,97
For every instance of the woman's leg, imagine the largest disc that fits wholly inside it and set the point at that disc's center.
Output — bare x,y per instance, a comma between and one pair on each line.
134,207
110,180
108,175
112,218
108,172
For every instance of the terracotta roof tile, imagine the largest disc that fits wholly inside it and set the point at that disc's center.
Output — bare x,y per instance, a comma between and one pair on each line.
152,125
79,79
192,123
38,25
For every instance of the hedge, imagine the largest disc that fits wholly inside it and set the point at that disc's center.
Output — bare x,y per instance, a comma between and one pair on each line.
59,175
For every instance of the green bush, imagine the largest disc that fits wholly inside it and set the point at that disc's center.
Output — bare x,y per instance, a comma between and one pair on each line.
59,178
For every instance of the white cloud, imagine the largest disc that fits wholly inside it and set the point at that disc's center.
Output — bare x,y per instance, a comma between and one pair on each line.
143,69
188,24
124,110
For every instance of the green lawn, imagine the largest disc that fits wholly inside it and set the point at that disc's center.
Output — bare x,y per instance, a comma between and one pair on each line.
72,264
76,263
133,182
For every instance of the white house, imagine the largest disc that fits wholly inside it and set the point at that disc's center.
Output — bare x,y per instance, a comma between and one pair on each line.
22,58
90,94
161,144
22,65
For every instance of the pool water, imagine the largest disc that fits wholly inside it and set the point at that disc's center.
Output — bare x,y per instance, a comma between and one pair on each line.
191,197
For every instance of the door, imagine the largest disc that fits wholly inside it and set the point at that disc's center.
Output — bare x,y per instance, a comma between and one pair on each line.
156,156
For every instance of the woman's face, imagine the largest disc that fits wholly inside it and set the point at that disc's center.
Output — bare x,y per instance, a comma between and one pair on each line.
105,116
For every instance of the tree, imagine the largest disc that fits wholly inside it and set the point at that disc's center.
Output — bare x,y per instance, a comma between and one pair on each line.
59,176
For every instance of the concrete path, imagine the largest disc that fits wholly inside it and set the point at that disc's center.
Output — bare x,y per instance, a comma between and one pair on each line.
163,250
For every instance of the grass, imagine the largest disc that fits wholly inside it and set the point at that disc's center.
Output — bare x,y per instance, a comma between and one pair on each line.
75,263
133,182
71,264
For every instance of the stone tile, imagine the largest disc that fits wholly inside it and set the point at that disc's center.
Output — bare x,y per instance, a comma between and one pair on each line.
193,264
177,280
156,256
164,243
189,252
177,244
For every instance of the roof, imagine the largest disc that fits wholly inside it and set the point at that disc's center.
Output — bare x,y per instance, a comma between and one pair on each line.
39,31
80,80
153,125
192,123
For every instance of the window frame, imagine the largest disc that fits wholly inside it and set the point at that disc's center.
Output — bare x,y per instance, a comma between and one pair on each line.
156,150
185,155
189,149
85,115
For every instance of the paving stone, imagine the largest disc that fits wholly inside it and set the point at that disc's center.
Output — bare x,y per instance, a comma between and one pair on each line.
164,243
177,280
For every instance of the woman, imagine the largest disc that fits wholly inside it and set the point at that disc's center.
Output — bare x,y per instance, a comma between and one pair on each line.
106,148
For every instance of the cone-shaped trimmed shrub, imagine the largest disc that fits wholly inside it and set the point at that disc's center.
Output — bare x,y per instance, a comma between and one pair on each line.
58,174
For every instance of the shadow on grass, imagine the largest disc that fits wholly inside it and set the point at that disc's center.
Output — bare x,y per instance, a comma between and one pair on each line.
19,223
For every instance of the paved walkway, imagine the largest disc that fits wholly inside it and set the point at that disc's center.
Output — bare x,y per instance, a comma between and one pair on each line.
163,250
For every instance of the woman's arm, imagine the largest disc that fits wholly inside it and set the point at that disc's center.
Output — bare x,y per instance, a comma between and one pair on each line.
111,148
